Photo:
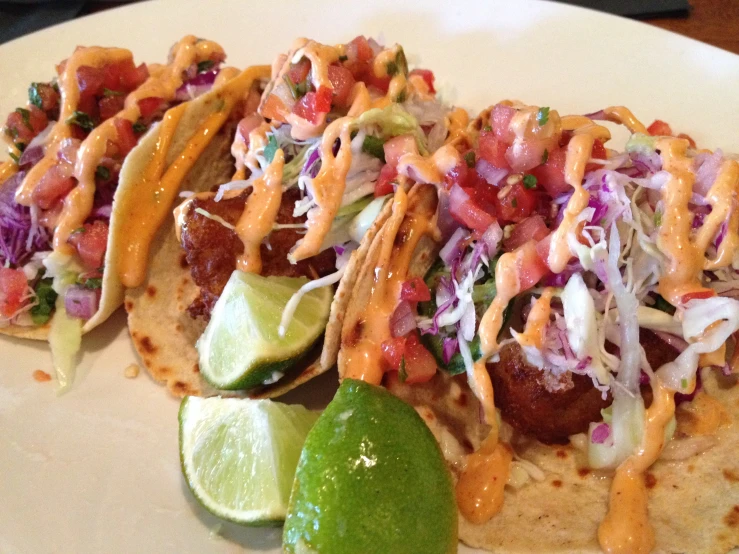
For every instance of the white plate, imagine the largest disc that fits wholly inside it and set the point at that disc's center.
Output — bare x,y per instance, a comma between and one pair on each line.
97,469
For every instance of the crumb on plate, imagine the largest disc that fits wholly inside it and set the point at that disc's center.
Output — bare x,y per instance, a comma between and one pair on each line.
131,372
41,376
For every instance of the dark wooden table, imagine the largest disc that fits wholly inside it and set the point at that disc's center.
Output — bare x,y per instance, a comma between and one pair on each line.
713,21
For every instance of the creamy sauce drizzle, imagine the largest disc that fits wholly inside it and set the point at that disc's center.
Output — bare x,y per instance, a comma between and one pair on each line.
623,116
157,189
480,487
626,528
260,214
538,321
430,170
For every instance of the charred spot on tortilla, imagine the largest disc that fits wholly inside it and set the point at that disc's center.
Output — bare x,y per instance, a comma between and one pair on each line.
147,345
731,475
196,368
180,388
151,291
732,518
583,472
183,260
557,483
128,305
561,454
533,405
650,481
355,334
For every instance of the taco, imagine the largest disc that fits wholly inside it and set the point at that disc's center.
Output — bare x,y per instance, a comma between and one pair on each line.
75,152
564,316
308,194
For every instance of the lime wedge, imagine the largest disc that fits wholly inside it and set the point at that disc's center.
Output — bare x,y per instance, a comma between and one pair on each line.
239,456
241,347
371,479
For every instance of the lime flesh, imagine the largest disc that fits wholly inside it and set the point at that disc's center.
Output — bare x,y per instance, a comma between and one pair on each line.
239,456
371,479
241,347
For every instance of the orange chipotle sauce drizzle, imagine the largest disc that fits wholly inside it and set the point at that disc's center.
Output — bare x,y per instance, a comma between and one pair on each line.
362,358
163,84
158,184
260,214
626,528
480,487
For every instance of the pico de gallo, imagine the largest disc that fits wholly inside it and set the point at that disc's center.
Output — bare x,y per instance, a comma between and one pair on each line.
99,94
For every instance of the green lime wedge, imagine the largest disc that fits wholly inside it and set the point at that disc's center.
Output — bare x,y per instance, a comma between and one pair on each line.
241,347
239,456
371,479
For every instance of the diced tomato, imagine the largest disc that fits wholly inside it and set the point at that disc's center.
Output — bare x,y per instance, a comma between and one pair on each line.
464,210
248,124
91,241
397,146
149,107
55,184
342,82
49,97
359,50
415,290
516,203
697,295
598,153
126,137
109,106
532,268
500,121
91,81
274,108
493,150
384,184
551,175
420,364
89,106
542,248
24,124
298,72
13,286
428,76
533,227
135,78
311,106
124,76
458,175
380,83
659,128
393,350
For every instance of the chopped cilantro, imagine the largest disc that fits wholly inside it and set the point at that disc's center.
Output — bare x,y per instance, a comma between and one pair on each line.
545,156
139,127
663,305
391,68
374,147
78,230
205,65
82,120
21,146
683,384
469,157
402,373
108,92
487,128
343,58
402,97
34,97
514,202
55,85
542,116
271,149
12,132
14,156
529,181
26,116
94,283
102,173
657,218
45,299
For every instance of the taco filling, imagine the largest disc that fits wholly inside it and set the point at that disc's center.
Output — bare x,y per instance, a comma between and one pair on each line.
578,289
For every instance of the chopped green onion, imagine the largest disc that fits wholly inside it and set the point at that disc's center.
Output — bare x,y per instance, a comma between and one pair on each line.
108,92
15,157
95,283
545,156
469,157
487,128
402,97
139,127
402,373
343,58
102,173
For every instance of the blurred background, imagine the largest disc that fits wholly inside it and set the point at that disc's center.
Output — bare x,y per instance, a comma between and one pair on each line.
713,21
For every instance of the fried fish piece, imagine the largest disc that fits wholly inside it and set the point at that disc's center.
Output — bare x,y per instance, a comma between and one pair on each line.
212,249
